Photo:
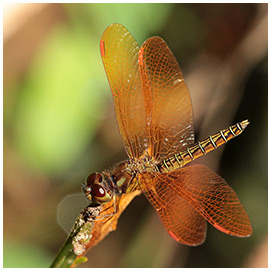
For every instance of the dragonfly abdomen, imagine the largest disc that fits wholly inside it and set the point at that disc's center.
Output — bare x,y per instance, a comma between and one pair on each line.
202,147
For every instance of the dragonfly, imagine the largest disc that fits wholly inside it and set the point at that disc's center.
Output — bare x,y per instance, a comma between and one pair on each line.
155,120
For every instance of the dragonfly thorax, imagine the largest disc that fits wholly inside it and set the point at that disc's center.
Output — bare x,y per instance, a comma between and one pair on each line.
123,176
101,187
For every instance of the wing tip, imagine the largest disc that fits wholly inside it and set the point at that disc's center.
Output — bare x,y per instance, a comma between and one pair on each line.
191,243
241,232
102,48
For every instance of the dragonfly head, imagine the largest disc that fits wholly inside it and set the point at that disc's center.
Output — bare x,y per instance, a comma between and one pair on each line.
96,188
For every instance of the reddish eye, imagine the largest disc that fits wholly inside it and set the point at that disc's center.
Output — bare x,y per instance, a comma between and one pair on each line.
93,177
99,177
97,191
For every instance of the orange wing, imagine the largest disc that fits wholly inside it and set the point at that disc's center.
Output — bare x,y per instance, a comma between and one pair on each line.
152,103
119,52
104,226
205,191
181,220
168,105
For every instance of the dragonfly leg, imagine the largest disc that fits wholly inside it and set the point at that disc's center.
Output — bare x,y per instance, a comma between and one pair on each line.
102,216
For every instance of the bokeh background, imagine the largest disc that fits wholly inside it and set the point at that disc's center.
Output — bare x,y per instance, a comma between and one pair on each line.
59,125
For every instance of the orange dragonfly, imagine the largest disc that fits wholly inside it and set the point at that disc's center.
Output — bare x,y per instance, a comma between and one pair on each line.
154,115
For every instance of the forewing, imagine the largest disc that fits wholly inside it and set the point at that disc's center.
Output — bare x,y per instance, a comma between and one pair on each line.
105,224
211,196
181,220
119,51
168,107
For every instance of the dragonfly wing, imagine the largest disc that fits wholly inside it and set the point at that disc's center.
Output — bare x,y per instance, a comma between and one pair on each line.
103,227
211,196
181,220
168,108
119,51
152,102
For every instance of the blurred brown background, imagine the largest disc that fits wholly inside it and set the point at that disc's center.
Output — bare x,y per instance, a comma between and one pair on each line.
59,124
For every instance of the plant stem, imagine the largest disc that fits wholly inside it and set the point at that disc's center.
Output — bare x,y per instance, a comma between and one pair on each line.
78,237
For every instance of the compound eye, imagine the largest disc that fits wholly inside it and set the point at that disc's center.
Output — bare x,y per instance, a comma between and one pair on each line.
99,177
93,177
98,191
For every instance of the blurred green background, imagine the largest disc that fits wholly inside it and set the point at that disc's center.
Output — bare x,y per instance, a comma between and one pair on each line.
59,125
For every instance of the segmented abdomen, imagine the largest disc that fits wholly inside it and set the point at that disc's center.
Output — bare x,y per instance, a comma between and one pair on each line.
202,147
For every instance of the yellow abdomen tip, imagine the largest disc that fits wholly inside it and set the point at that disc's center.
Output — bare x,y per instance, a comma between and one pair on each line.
244,124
